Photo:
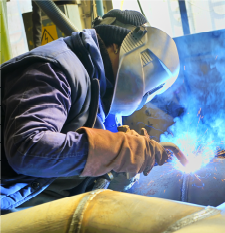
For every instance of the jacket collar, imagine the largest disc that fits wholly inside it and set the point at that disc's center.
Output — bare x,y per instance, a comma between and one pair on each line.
95,60
85,46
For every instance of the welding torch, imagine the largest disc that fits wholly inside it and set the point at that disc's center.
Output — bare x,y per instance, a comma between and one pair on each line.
176,151
167,145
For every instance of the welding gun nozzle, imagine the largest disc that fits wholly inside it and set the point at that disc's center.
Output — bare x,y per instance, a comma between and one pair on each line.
180,156
176,151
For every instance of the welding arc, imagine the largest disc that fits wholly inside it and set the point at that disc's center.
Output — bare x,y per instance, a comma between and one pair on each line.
176,151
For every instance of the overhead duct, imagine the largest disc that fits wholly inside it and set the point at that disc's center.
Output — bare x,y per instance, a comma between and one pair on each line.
57,17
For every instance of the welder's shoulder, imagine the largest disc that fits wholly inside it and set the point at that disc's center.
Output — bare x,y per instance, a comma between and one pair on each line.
38,78
38,71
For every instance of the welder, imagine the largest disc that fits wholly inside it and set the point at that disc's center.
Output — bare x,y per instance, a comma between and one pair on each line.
58,97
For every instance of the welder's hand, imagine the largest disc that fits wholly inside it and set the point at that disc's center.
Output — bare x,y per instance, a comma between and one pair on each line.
160,153
127,152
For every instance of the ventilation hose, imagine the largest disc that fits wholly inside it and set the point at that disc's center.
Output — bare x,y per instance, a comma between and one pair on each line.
57,17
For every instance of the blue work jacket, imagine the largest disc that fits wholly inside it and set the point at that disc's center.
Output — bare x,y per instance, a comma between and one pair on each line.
48,93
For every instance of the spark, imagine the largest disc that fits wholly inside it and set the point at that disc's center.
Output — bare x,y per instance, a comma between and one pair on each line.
150,182
199,148
197,177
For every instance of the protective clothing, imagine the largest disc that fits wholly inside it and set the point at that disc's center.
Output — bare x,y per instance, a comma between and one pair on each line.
148,65
52,91
121,152
116,24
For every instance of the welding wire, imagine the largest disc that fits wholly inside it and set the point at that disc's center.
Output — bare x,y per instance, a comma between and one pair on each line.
192,218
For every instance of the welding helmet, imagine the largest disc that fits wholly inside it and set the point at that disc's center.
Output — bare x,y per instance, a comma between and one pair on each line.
148,66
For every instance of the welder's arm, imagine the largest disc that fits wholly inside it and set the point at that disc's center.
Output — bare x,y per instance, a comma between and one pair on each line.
121,152
37,105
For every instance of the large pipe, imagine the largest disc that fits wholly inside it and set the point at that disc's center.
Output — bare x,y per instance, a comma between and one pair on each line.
57,17
109,211
205,187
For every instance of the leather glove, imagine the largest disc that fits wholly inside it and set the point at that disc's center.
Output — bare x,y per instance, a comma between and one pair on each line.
121,152
126,129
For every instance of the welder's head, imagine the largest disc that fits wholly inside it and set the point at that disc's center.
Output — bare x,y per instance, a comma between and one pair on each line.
148,59
116,24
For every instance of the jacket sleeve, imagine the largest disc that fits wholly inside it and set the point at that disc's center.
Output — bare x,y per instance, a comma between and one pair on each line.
37,101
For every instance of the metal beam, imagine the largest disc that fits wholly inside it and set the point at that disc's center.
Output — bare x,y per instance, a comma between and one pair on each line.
184,17
99,6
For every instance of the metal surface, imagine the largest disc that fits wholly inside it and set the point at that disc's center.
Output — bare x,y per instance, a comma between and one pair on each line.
204,187
148,59
163,181
207,185
192,218
101,183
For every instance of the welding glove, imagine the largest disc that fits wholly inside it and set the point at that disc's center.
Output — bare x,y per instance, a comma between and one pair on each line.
121,152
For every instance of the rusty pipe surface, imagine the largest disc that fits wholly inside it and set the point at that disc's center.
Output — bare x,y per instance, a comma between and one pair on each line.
176,151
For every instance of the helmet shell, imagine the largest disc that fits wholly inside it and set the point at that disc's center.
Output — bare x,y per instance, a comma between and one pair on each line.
148,65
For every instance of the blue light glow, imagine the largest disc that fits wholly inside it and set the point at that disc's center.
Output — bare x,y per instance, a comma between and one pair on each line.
197,147
200,131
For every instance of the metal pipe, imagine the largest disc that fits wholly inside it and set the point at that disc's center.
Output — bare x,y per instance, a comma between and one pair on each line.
184,17
110,211
57,17
203,187
99,6
176,150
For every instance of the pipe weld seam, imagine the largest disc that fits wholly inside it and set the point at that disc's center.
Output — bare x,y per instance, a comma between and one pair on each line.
78,215
192,218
